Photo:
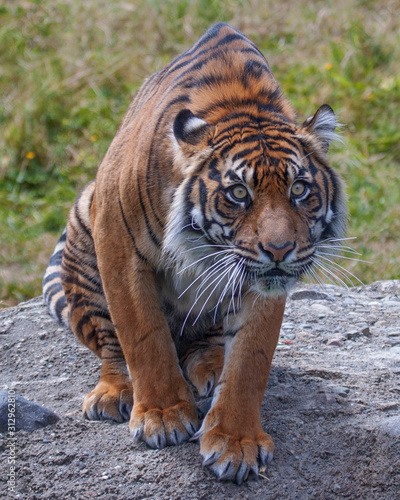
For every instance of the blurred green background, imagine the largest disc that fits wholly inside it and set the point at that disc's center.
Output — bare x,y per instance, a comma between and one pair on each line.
69,68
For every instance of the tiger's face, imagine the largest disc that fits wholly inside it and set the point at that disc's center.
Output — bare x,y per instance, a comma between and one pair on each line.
257,199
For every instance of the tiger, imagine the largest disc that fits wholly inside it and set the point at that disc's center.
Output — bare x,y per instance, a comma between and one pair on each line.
174,267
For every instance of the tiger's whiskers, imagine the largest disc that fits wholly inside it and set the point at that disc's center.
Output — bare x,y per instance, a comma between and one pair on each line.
226,261
331,270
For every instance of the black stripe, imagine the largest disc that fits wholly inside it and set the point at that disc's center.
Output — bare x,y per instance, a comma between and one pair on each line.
108,336
277,140
114,350
108,344
207,80
312,167
53,289
69,264
243,153
63,237
75,281
304,259
80,300
188,192
50,277
55,259
152,235
280,149
203,198
237,102
139,254
255,70
244,249
110,331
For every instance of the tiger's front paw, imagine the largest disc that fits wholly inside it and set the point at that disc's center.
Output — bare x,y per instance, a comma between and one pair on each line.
109,400
162,427
233,458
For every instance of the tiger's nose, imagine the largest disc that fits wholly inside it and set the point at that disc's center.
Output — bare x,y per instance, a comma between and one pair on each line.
278,253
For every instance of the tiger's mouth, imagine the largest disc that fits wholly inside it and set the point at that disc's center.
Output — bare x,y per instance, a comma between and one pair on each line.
275,280
261,273
276,272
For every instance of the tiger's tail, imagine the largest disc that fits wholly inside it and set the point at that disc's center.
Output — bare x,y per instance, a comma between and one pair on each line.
53,291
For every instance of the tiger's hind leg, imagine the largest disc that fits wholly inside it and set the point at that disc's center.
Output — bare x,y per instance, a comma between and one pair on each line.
202,363
89,319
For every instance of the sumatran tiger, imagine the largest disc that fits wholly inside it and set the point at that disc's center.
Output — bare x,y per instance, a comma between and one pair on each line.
210,203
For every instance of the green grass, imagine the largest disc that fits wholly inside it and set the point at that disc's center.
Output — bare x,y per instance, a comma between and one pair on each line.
68,70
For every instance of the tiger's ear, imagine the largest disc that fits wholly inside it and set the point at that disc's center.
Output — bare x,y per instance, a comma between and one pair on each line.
190,129
322,126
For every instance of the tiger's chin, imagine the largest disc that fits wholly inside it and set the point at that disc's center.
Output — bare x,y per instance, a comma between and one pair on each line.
268,286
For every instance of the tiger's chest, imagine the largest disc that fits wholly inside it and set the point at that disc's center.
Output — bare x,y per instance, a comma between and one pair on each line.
192,304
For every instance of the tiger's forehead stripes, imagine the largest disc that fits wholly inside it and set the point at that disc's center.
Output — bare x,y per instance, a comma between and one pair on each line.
275,154
252,136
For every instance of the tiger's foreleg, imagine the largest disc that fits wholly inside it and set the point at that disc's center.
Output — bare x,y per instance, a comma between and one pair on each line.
232,441
164,410
89,318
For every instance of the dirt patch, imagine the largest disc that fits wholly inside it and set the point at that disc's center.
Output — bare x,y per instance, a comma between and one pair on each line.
332,407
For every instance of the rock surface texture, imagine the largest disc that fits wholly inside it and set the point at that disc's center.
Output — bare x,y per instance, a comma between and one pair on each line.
332,406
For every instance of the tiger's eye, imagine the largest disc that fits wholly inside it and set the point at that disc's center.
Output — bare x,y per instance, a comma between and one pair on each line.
298,188
239,192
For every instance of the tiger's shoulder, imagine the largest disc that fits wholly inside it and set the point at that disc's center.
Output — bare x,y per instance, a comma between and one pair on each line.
222,66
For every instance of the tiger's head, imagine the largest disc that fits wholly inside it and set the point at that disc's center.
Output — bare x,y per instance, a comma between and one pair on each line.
255,198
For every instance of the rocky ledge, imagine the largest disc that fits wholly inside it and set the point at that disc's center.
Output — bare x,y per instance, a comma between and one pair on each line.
332,407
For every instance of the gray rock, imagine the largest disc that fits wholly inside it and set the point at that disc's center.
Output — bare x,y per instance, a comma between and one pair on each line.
287,325
341,391
6,325
335,342
391,426
366,331
310,294
392,303
352,333
29,416
321,309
